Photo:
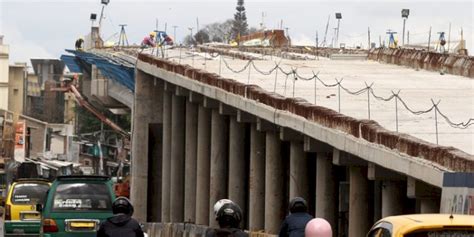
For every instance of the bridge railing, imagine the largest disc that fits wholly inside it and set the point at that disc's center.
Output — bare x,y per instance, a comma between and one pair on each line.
186,230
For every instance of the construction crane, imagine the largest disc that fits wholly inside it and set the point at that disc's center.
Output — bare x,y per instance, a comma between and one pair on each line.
326,32
121,188
69,87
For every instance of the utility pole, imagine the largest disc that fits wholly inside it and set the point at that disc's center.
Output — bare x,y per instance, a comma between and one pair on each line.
405,13
429,40
449,36
380,41
197,24
174,32
316,39
338,17
408,37
368,37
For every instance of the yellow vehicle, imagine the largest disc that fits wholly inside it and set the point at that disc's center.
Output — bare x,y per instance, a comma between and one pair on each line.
20,215
424,225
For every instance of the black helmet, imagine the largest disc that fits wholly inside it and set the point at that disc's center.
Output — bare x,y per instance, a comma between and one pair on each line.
229,215
298,204
122,205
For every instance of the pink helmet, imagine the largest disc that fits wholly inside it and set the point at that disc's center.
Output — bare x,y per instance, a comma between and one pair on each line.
318,227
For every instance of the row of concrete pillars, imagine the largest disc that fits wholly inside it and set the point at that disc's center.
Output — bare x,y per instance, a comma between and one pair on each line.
190,151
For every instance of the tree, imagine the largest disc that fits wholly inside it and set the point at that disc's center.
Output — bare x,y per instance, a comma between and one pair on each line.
240,26
253,30
220,31
202,36
189,40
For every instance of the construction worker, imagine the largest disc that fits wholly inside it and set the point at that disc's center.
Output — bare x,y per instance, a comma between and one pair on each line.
79,43
318,227
295,223
228,215
149,41
121,224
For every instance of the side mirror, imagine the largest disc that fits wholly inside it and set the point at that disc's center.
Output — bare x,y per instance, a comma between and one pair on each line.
39,207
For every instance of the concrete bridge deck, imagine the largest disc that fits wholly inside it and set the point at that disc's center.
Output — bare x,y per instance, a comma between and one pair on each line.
198,137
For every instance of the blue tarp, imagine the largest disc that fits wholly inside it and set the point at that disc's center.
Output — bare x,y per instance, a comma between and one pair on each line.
114,71
71,63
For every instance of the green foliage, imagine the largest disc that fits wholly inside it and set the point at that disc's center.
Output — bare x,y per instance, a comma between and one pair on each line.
240,26
202,36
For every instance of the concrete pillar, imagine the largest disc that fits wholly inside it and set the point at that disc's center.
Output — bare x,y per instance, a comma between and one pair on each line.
237,163
257,180
326,188
203,166
147,109
219,141
298,171
190,164
154,171
393,193
166,171
274,181
429,205
359,222
177,158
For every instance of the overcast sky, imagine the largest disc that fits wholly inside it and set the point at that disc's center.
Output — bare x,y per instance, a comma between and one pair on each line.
43,29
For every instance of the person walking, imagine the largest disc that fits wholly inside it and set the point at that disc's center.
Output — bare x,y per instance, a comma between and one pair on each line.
295,223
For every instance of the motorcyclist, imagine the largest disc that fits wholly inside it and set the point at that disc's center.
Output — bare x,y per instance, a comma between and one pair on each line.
295,223
121,224
228,215
318,227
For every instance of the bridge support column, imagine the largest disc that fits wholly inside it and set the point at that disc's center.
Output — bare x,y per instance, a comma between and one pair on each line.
190,164
427,196
219,145
237,164
359,220
393,193
326,188
274,181
177,158
203,166
257,179
166,164
298,171
429,205
146,127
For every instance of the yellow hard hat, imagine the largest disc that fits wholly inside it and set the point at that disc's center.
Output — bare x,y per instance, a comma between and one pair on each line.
152,34
81,37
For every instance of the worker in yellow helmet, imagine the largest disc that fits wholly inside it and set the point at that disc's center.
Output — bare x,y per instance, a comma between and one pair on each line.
149,41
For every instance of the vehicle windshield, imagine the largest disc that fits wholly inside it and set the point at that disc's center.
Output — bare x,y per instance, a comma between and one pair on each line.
29,193
443,233
82,196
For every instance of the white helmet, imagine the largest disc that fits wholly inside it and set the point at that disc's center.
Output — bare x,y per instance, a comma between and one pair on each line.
221,203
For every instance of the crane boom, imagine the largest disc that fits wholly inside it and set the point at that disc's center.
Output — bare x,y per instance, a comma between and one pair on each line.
83,103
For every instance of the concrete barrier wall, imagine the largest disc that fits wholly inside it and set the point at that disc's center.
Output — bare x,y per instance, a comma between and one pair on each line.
449,157
186,230
448,63
227,52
